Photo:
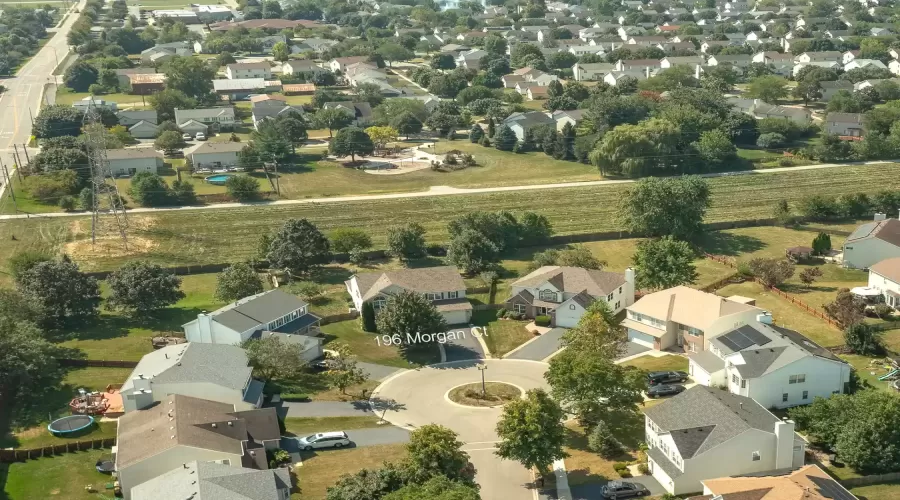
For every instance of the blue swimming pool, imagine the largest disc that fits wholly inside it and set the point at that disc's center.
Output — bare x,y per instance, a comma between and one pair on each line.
217,179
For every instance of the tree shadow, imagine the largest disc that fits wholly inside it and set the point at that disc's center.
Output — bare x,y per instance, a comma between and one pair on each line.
800,289
725,243
331,275
425,262
109,326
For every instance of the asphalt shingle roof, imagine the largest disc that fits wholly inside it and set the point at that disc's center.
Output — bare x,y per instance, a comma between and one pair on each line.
573,280
423,280
217,364
212,481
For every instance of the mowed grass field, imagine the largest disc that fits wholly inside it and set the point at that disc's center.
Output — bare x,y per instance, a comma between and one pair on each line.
225,235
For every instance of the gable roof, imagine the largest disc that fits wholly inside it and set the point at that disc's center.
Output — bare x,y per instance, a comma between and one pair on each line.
358,109
573,280
212,481
258,309
887,230
132,153
688,306
854,118
219,147
425,279
889,268
249,65
217,364
706,417
183,115
138,115
806,483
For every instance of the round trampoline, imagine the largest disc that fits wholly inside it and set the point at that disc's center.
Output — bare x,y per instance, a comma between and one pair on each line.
70,424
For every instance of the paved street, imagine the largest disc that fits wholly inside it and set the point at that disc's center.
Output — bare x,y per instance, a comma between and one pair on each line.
592,491
325,409
420,397
377,372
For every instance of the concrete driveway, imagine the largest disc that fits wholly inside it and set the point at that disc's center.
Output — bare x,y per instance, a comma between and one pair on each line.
377,372
388,434
465,347
539,348
418,397
592,491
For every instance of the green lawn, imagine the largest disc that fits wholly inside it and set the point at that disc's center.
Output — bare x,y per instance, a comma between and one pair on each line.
209,236
886,491
366,348
64,477
323,468
64,95
502,335
302,426
665,363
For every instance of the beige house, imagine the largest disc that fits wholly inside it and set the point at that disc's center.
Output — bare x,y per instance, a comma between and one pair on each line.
871,243
565,293
442,285
130,161
182,429
216,155
806,483
217,372
684,318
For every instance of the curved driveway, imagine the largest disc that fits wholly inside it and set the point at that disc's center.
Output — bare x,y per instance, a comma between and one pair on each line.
417,397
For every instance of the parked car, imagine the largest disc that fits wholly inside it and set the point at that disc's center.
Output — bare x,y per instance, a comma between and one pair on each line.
200,136
654,378
663,390
186,137
324,440
622,489
325,365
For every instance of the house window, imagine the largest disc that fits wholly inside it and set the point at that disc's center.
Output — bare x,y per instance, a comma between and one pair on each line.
620,289
801,378
572,306
609,298
379,303
743,383
618,304
734,378
692,347
548,295
452,295
519,308
805,394
797,379
784,397
755,456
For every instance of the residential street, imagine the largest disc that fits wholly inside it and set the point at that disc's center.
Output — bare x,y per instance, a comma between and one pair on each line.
325,409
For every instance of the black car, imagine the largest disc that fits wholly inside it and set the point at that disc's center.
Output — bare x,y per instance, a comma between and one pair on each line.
621,489
655,378
662,390
323,365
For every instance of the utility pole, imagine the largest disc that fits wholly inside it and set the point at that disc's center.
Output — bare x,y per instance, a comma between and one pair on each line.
25,150
12,193
277,179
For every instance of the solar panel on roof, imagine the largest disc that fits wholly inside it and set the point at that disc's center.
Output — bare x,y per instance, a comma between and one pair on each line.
738,339
728,343
756,336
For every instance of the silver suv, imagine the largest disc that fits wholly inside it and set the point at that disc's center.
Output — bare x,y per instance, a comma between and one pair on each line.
324,440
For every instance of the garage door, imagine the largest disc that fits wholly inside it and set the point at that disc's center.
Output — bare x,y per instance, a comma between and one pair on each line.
456,317
566,321
641,338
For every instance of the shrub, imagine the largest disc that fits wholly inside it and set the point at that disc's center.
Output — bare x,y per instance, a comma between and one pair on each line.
883,311
624,473
542,320
644,469
436,250
67,203
785,162
501,313
602,441
620,466
309,291
357,256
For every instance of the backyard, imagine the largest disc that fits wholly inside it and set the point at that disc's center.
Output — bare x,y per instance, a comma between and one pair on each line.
64,476
322,469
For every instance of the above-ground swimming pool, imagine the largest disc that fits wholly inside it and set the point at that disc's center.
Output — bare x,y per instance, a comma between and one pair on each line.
217,179
70,424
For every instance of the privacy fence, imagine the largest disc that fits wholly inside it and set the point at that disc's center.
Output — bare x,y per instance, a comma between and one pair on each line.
21,455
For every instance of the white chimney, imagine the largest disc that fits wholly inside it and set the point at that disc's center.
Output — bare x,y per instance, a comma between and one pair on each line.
628,292
880,216
764,318
784,444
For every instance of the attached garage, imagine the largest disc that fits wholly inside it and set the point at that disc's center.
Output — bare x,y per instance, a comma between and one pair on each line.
641,338
455,311
568,314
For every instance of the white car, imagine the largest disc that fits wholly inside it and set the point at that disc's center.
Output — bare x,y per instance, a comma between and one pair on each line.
200,136
324,440
186,137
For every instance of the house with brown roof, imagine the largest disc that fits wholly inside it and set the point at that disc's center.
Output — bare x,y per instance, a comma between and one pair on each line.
442,285
806,483
684,318
182,429
871,243
537,92
564,293
885,276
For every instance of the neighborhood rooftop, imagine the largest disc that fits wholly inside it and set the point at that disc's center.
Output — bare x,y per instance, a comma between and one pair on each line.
574,279
193,362
212,481
256,310
428,279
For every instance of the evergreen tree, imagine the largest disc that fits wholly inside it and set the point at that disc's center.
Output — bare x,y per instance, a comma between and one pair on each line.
554,89
476,134
549,144
367,317
564,147
491,128
505,139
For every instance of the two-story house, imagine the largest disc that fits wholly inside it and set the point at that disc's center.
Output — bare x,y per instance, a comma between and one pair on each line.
565,293
181,429
885,276
705,433
200,480
685,318
845,125
871,243
340,64
775,366
249,70
442,285
217,372
213,118
251,317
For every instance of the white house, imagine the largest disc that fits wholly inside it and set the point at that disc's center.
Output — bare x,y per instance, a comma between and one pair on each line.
774,366
845,124
521,123
565,293
442,285
470,59
705,433
93,102
361,111
181,429
685,317
216,155
563,117
864,63
133,160
591,71
249,70
298,66
140,124
255,316
885,276
340,64
823,56
894,66
200,480
691,61
217,372
871,243
215,118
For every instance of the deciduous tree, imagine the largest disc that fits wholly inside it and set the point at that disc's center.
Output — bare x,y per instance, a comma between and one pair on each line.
64,294
435,450
531,431
846,309
351,141
810,275
347,239
242,187
406,241
273,359
664,263
410,313
140,287
771,272
332,119
471,252
672,206
768,88
297,247
237,281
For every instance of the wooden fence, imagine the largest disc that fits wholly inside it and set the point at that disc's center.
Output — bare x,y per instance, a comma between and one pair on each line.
487,307
96,363
874,479
478,289
21,455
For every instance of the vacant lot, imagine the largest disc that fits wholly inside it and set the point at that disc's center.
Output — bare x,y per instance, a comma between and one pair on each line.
226,235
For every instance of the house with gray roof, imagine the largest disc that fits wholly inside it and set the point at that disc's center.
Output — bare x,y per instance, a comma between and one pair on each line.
182,429
830,88
704,433
871,243
218,372
141,124
564,293
221,118
442,285
361,111
256,316
775,366
199,480
130,161
521,123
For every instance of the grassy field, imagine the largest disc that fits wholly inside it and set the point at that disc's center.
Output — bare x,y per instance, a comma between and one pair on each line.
502,336
64,476
887,491
208,236
322,469
366,348
661,364
64,95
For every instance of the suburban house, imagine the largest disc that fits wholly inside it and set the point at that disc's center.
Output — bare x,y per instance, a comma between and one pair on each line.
520,123
265,107
470,59
165,51
317,45
591,71
256,316
216,155
690,61
92,102
684,318
239,89
130,161
124,75
140,124
217,372
361,111
442,285
765,110
705,433
537,93
298,88
830,88
821,64
864,63
146,83
885,276
563,117
775,366
200,480
301,66
341,63
565,293
806,483
845,124
823,56
181,429
871,243
214,118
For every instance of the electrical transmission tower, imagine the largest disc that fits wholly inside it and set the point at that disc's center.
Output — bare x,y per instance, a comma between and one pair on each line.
108,209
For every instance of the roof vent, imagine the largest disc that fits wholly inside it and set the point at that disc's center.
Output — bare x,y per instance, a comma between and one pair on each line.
214,425
184,465
172,436
230,424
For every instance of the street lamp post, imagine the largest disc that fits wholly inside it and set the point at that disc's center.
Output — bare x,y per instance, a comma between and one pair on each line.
482,368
